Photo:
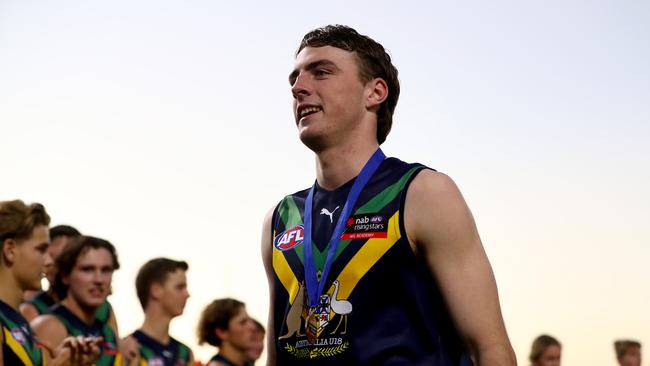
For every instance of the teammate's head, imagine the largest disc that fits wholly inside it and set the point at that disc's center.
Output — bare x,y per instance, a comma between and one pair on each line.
546,351
628,352
162,281
254,353
85,271
60,236
24,239
225,321
373,62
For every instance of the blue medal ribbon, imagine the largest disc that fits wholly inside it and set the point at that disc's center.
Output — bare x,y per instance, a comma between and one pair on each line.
314,286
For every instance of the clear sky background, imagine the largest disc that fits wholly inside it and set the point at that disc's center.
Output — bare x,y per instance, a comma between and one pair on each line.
166,128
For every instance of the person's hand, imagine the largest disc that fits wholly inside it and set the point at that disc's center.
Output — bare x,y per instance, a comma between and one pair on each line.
130,350
76,351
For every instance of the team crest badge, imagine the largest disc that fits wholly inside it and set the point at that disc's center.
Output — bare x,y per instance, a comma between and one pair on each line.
290,238
19,336
156,361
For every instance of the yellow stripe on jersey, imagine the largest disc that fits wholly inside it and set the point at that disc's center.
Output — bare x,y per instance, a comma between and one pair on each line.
17,348
366,257
285,274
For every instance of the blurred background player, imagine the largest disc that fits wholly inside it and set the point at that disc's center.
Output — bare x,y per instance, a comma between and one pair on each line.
545,351
161,285
628,352
254,353
226,325
83,281
24,241
38,302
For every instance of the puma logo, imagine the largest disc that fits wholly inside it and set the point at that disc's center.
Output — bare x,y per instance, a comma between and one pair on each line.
325,211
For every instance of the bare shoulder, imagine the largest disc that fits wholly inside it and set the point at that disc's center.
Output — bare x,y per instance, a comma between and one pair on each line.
49,329
28,311
433,186
266,236
435,211
45,321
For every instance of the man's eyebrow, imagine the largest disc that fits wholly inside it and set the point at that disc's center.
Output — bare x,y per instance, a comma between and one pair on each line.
310,66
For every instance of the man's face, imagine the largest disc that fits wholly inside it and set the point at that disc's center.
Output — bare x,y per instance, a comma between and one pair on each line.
254,353
90,278
240,331
328,95
56,247
173,293
30,258
550,357
632,357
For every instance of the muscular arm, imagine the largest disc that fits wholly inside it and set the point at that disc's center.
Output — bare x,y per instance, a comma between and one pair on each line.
440,226
50,332
267,257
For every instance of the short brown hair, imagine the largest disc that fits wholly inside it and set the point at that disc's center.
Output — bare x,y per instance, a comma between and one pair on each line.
539,346
374,62
64,230
66,261
155,271
622,346
217,315
18,220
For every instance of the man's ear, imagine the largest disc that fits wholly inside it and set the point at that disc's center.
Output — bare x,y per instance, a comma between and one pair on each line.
8,251
221,333
155,292
376,93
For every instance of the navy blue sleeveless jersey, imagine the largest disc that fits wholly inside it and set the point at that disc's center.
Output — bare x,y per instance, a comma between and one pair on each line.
77,327
381,305
18,344
154,353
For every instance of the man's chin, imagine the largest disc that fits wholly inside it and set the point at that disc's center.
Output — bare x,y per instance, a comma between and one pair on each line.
313,141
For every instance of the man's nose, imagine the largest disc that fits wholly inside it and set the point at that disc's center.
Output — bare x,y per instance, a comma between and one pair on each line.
301,86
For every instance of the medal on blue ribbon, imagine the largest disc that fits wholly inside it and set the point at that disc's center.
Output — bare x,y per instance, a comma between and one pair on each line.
315,287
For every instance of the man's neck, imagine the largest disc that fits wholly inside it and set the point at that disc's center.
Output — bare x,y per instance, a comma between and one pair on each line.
156,326
10,292
335,166
86,314
234,355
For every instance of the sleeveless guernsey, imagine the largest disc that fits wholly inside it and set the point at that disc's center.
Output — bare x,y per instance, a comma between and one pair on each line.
154,353
18,345
381,305
43,301
77,327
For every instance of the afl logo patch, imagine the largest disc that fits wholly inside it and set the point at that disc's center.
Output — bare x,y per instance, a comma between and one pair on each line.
290,238
19,336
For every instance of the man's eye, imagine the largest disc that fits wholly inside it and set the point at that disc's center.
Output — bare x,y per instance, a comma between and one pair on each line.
322,72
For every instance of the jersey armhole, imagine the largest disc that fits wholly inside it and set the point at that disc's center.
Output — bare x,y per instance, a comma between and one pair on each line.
402,201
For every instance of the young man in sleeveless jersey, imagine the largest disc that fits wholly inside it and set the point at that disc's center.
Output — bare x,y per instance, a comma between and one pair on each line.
380,262
39,302
161,285
83,281
24,240
225,324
